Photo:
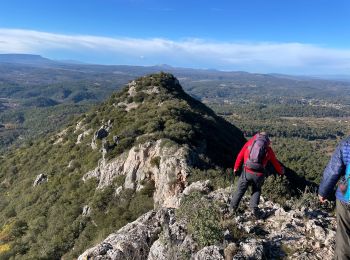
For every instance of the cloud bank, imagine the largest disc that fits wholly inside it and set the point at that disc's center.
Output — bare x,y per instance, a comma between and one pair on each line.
257,56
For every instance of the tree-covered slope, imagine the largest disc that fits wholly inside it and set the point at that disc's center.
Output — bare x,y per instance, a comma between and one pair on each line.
47,211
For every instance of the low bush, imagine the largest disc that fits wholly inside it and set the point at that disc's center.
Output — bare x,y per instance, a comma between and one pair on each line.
204,221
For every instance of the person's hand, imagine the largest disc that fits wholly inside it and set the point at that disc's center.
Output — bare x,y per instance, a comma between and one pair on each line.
235,172
322,199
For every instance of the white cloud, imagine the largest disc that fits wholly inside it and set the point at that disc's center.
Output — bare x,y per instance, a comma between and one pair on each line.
263,56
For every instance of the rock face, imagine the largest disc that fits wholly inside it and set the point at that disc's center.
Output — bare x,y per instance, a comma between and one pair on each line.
167,166
295,234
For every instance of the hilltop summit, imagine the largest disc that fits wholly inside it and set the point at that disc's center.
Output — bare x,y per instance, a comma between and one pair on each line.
155,107
138,150
155,131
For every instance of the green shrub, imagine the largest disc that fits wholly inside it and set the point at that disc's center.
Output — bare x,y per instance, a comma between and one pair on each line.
204,221
139,97
119,180
276,189
155,161
238,234
218,177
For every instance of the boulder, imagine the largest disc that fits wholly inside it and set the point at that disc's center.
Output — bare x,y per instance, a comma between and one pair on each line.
198,186
40,179
86,211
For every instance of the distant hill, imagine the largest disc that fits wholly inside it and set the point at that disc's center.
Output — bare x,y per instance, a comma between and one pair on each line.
40,102
28,59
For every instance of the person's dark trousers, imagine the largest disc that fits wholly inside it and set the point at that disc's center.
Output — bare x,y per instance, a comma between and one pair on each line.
244,181
342,239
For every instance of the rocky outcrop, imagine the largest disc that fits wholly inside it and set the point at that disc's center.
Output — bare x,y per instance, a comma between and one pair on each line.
40,179
60,137
83,135
199,186
86,211
299,233
100,134
167,166
132,241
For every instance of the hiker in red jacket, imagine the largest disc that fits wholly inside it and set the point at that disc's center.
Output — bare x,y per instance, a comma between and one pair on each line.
255,154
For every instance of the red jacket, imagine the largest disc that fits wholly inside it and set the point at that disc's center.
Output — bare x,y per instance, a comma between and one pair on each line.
270,156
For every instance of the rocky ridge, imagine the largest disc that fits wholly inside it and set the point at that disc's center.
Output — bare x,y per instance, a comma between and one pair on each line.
298,233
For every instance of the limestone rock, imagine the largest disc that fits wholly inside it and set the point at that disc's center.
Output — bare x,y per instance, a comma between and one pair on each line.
209,253
251,249
118,190
101,133
283,234
133,241
174,242
132,89
40,179
199,186
158,251
86,211
83,135
152,90
168,167
79,126
60,136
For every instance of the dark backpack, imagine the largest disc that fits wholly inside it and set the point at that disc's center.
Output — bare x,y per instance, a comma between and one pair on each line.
257,153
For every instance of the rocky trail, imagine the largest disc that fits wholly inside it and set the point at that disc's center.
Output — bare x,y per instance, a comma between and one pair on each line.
298,233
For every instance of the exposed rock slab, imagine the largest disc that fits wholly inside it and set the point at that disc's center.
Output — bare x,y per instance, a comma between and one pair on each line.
168,167
133,241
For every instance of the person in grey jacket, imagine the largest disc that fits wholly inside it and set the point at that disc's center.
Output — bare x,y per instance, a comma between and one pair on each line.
338,171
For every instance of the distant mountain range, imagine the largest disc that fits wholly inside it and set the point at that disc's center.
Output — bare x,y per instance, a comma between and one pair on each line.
30,59
34,89
38,60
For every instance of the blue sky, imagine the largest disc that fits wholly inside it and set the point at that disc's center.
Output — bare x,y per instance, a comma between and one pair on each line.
285,36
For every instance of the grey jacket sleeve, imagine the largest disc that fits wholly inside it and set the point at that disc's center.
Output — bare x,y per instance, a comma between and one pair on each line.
332,173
